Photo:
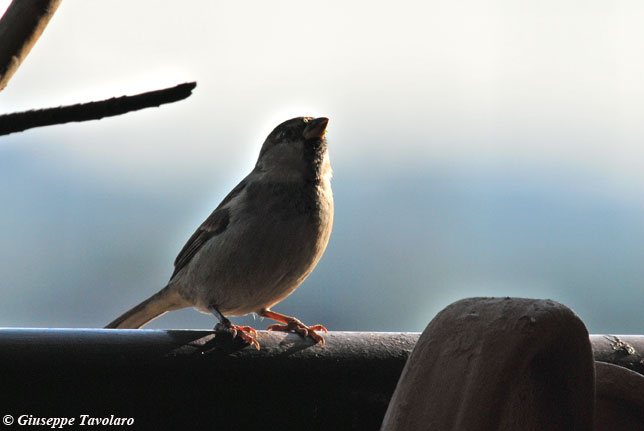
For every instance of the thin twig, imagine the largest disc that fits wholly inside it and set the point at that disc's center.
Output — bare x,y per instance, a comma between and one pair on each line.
20,27
19,121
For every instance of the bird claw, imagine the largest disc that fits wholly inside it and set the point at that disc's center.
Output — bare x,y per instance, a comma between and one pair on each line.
300,328
248,329
245,333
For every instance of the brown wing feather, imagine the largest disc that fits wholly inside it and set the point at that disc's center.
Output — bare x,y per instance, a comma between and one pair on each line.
213,225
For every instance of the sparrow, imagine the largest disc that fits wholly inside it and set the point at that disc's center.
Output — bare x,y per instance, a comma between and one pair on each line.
260,243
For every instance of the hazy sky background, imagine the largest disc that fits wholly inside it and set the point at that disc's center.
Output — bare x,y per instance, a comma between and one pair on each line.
480,149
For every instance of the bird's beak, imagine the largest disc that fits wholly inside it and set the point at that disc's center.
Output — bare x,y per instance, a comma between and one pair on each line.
316,128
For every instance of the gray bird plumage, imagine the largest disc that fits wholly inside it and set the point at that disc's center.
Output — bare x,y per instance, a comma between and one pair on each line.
261,242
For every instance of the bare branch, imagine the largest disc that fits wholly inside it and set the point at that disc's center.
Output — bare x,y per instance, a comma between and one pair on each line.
19,121
20,27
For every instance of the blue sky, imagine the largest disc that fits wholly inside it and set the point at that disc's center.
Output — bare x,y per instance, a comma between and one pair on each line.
479,148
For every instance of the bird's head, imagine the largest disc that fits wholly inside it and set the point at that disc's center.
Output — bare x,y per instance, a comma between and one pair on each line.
295,148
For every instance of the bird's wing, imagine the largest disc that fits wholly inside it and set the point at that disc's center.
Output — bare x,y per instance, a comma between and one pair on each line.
215,224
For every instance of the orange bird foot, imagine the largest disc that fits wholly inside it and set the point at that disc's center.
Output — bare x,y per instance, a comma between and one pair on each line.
247,334
294,325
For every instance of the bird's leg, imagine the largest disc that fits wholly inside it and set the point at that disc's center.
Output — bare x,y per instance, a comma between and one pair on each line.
246,333
294,325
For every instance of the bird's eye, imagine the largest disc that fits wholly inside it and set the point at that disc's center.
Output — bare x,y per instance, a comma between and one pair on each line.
306,120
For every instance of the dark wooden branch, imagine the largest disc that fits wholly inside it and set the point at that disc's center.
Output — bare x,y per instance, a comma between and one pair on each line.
19,121
20,27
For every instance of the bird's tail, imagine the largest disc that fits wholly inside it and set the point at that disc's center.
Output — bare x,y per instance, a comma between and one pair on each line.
167,299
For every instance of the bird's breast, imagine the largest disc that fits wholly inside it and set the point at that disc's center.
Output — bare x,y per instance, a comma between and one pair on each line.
266,251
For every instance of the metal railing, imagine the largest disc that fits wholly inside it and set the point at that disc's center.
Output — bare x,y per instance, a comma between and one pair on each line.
185,379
